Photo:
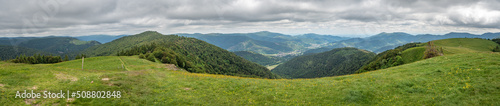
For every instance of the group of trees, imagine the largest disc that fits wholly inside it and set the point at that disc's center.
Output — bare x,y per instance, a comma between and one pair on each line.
387,58
432,50
37,59
78,56
154,52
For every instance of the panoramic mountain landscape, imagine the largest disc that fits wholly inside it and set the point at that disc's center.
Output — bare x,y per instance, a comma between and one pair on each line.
250,52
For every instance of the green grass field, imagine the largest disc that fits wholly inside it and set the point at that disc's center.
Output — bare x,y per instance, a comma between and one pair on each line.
465,45
450,47
413,54
465,78
462,79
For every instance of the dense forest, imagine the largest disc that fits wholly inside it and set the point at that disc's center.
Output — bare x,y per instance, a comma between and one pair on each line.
189,53
340,61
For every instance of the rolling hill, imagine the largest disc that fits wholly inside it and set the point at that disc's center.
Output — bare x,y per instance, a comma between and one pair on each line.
340,61
415,51
202,57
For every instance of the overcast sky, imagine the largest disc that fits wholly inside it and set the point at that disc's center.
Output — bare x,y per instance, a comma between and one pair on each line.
333,17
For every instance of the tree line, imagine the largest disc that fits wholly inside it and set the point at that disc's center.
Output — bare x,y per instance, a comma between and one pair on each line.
37,59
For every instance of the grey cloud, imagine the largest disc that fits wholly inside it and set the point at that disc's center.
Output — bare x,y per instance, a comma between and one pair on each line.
171,14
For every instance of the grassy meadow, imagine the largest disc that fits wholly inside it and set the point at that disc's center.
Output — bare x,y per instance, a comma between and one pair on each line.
461,79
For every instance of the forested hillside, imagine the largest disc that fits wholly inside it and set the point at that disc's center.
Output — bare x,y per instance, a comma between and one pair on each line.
10,52
389,58
58,46
258,58
340,61
192,54
15,40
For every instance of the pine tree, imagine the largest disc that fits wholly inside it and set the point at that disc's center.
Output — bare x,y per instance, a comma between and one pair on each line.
66,58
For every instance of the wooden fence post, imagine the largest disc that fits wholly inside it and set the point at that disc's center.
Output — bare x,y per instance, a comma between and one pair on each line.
83,59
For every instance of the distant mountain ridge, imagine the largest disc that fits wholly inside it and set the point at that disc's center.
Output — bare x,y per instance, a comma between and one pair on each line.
385,41
52,45
100,38
265,42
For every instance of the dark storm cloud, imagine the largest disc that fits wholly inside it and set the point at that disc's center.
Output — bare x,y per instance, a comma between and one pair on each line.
102,16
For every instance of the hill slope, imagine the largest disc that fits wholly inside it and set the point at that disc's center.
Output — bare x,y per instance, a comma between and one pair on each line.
462,79
335,62
199,55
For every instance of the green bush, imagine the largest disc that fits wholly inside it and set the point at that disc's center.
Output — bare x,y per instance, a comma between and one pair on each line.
151,58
